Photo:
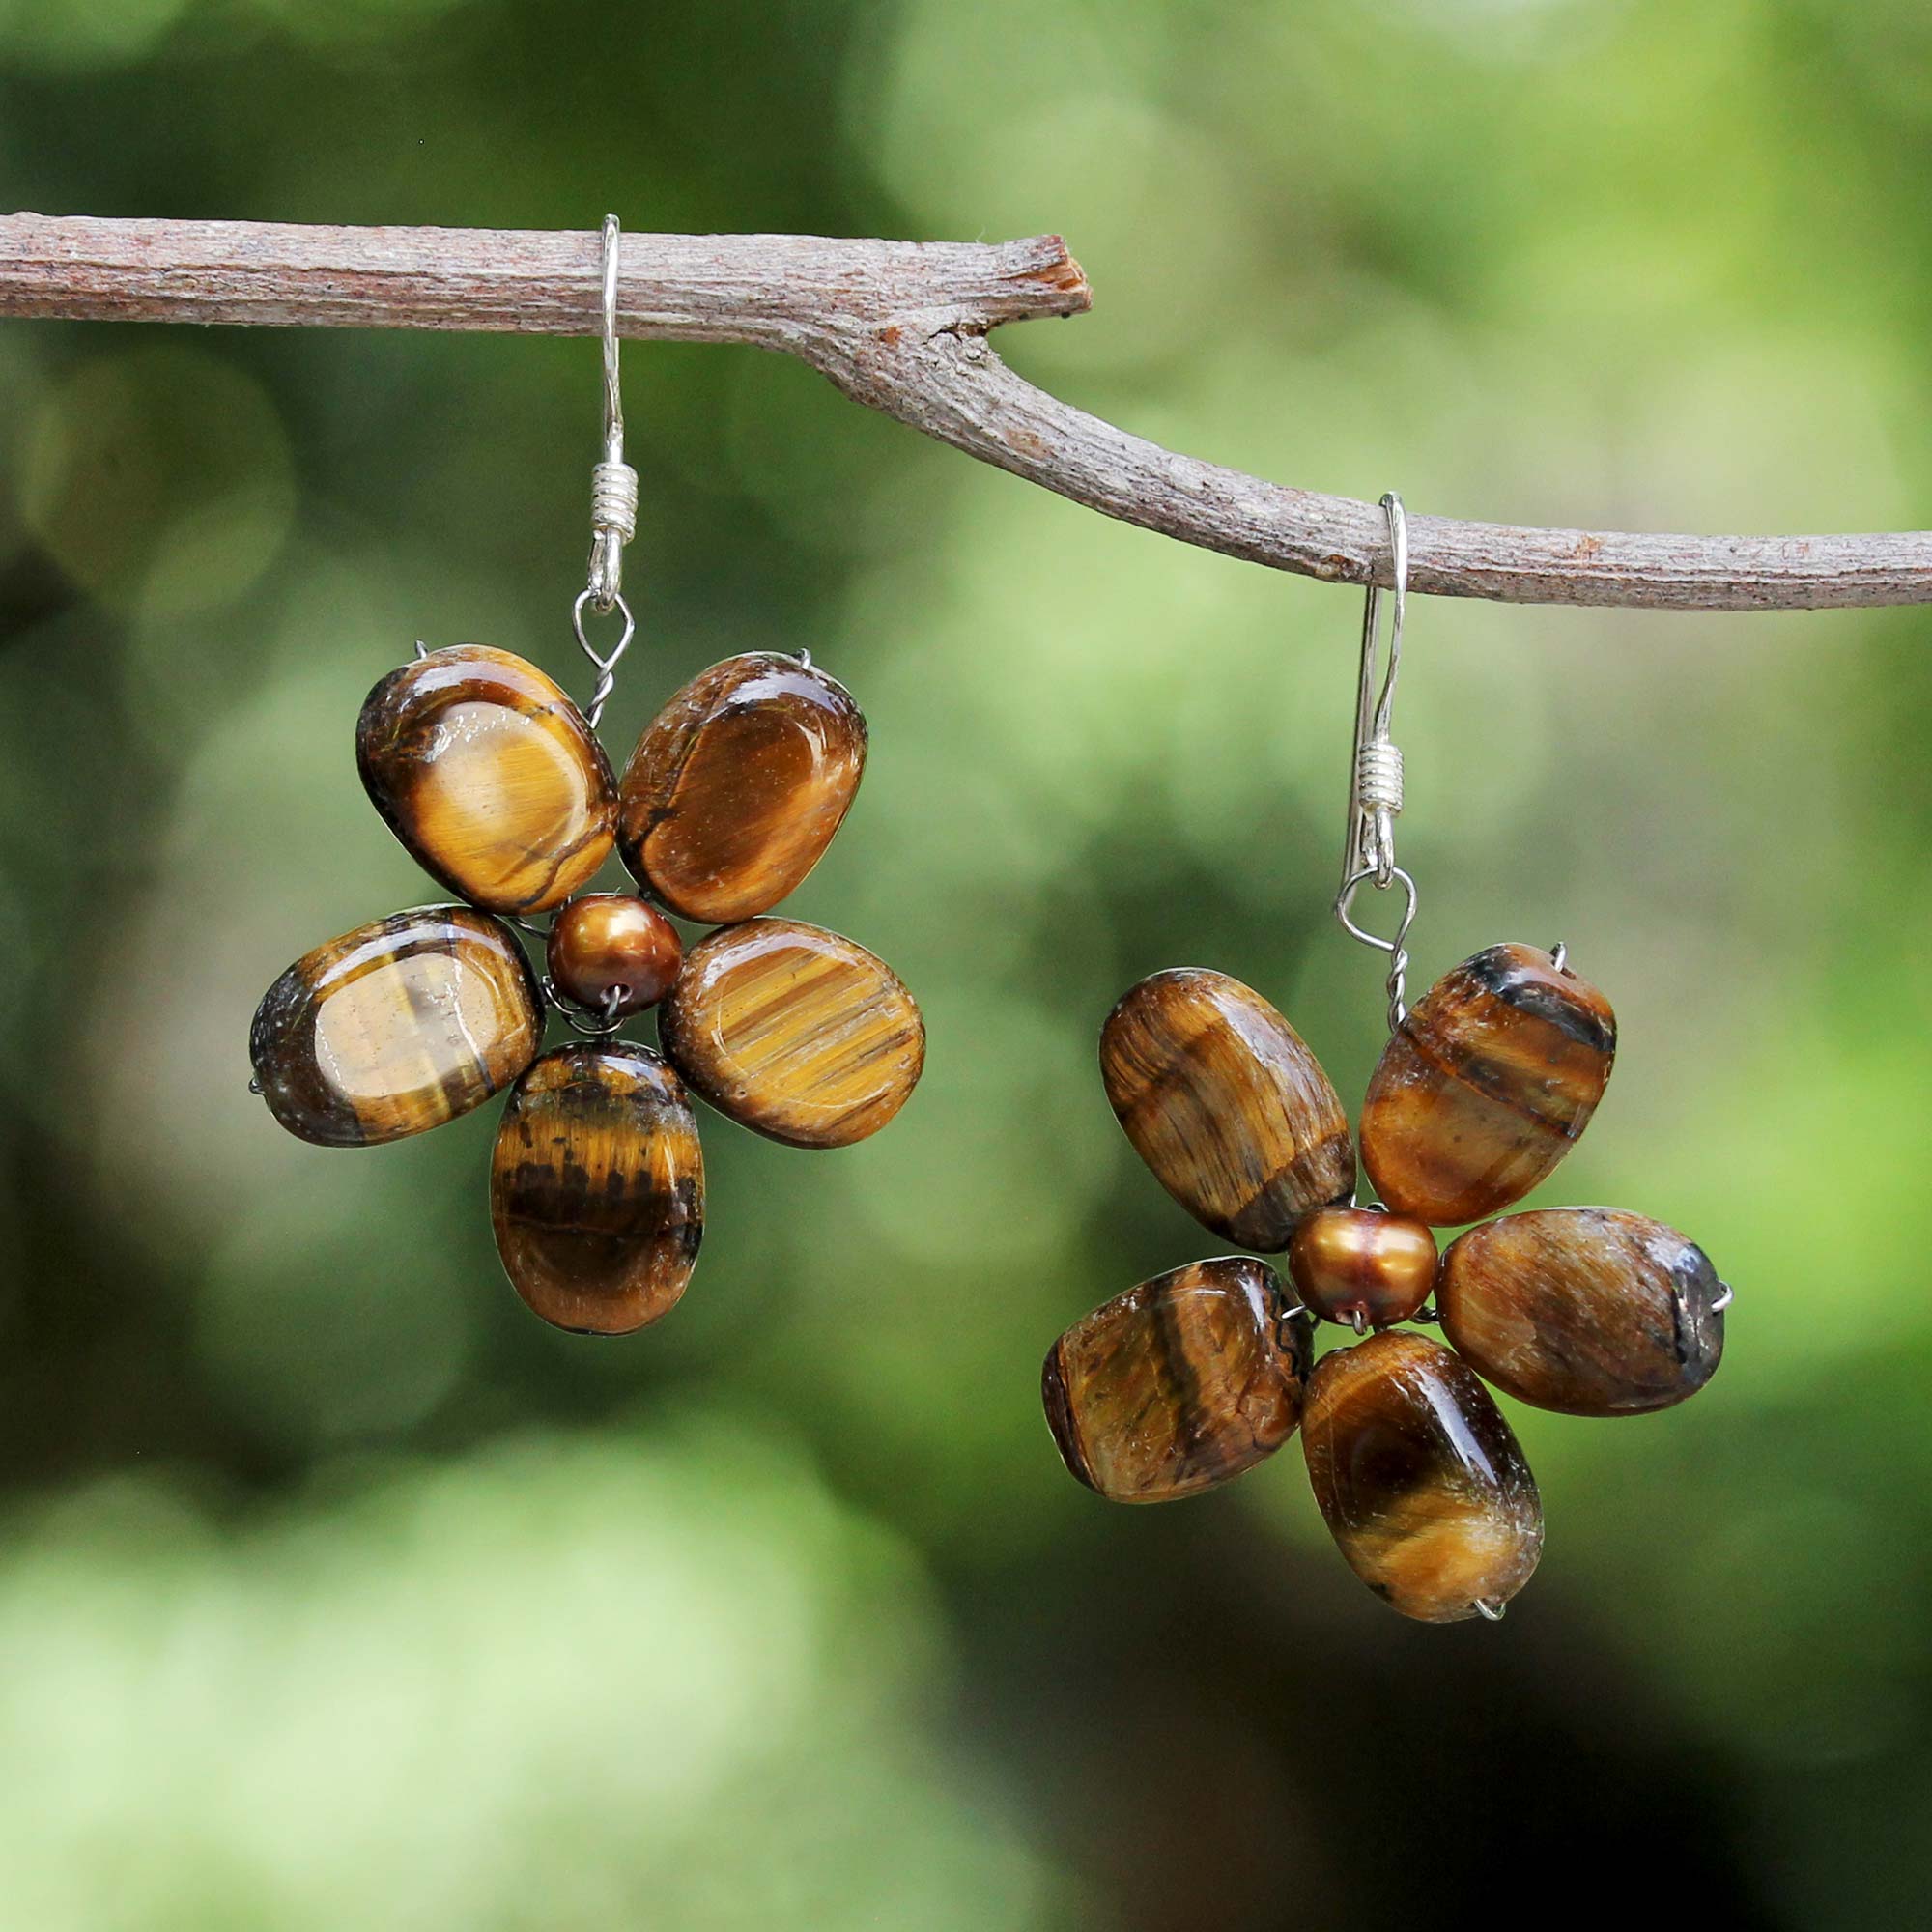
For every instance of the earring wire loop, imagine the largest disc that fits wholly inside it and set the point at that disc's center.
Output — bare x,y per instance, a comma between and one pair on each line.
613,496
1375,770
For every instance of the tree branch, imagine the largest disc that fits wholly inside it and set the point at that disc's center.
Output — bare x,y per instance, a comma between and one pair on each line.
902,328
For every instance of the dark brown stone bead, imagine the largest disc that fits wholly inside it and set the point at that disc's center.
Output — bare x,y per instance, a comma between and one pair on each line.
396,1027
1226,1104
597,1187
1420,1479
488,774
1588,1310
611,943
794,1032
736,787
1482,1088
1179,1384
1361,1267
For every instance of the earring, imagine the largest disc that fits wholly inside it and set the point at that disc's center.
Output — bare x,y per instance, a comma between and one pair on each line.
1198,1374
497,784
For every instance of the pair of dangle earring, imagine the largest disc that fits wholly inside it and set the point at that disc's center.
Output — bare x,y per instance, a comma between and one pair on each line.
1198,1374
499,787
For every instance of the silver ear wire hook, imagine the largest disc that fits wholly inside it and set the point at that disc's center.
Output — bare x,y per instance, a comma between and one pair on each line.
1375,772
614,499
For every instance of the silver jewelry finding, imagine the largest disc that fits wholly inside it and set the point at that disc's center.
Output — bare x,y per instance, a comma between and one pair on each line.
1376,774
613,500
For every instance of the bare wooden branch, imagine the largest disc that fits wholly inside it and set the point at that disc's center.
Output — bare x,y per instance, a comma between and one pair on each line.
901,326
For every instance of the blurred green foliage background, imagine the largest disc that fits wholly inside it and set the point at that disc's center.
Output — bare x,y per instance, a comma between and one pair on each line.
335,1591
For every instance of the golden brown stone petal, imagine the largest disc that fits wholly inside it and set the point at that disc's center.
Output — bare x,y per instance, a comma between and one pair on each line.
490,775
1420,1479
396,1027
1179,1384
736,787
1587,1311
1226,1104
597,1187
1484,1086
794,1032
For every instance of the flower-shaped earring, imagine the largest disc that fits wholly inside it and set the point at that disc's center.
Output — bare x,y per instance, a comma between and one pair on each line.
1196,1376
496,783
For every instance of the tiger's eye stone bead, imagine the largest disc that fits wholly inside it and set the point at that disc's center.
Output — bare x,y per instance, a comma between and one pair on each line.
1420,1479
396,1027
608,943
736,787
1588,1310
1226,1104
1179,1384
794,1032
488,774
597,1187
1482,1089
1360,1267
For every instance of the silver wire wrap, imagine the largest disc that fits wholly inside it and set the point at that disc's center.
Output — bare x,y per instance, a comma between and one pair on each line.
1375,775
614,504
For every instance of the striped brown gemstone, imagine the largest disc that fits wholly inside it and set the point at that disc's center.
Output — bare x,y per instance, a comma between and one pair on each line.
597,1188
1179,1384
1482,1088
1420,1479
1226,1104
396,1027
794,1032
735,790
1588,1310
490,775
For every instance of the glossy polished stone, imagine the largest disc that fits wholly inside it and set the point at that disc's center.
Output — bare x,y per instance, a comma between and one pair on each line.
794,1032
611,946
597,1187
1179,1384
1588,1310
1361,1267
396,1027
1226,1104
490,775
1420,1479
1481,1091
735,790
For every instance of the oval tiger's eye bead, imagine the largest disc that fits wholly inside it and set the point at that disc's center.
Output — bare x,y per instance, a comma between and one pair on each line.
1361,1267
1482,1089
794,1032
396,1027
1588,1310
1226,1104
1420,1479
1179,1384
610,942
490,775
597,1187
736,787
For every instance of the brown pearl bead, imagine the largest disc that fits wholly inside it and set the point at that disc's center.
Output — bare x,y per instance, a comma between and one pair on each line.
736,787
1480,1091
1362,1267
1179,1384
794,1032
1588,1310
490,775
1226,1104
396,1027
597,1187
1420,1479
613,943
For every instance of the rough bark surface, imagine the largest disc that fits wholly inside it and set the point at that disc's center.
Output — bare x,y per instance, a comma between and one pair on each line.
902,328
